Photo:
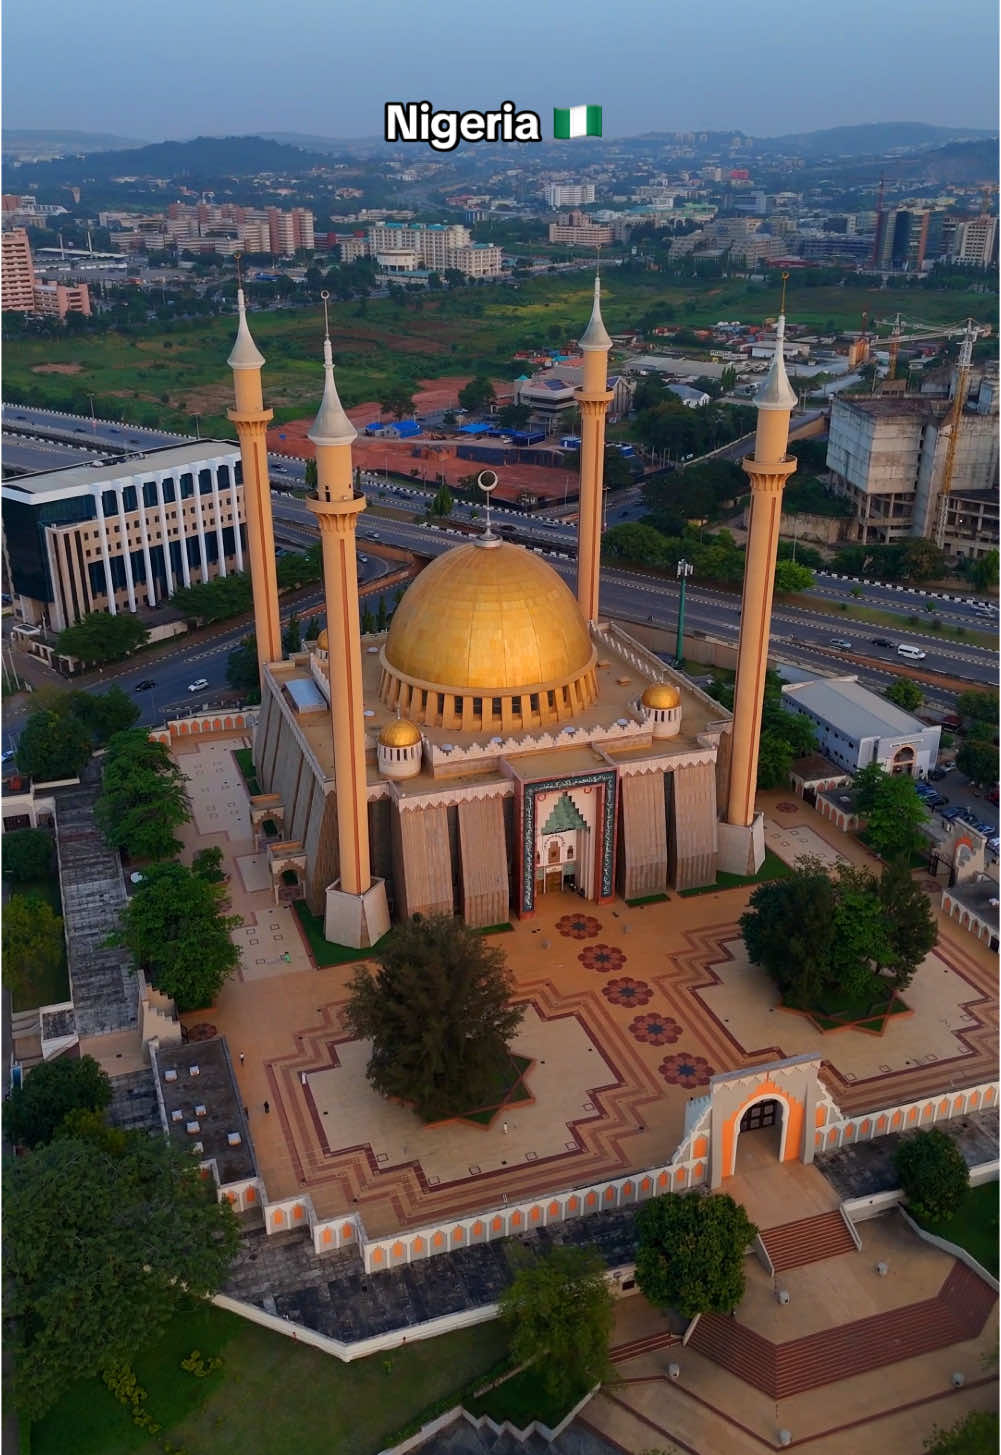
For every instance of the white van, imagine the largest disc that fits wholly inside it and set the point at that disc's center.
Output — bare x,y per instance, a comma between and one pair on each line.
915,653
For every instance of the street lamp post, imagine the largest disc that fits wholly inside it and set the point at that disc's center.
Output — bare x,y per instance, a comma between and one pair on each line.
93,416
685,569
197,419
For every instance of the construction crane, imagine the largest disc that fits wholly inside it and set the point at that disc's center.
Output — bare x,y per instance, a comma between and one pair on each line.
954,420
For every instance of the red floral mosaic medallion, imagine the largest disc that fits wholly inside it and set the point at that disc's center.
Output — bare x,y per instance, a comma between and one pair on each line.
579,926
787,807
627,991
684,1069
602,958
655,1029
203,1031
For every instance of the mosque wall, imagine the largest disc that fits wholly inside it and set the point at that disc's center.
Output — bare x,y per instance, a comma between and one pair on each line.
265,739
380,840
322,852
643,836
422,865
692,843
723,757
484,891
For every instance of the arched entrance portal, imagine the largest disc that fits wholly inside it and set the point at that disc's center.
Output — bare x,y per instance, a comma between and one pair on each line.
761,1134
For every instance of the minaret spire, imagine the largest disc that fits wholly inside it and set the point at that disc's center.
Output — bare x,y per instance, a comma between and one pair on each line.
251,420
593,397
356,911
741,835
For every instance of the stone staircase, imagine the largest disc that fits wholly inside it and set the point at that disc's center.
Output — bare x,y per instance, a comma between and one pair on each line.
808,1240
957,1313
621,1352
158,1015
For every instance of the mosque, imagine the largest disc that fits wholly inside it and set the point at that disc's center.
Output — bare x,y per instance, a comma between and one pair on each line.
502,740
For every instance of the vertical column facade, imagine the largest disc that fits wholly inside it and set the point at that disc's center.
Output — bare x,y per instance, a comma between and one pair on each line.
144,537
165,534
109,584
123,531
217,507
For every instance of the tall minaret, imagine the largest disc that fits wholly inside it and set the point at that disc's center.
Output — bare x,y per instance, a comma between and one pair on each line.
741,840
357,913
251,420
594,396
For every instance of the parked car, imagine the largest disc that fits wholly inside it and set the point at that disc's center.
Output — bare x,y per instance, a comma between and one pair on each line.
935,800
951,814
942,771
883,642
841,645
145,685
199,684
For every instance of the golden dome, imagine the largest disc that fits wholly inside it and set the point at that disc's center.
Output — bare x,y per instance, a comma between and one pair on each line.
488,619
661,695
321,641
399,734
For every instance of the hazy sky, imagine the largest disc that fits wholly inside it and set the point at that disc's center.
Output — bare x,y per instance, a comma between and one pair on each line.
178,68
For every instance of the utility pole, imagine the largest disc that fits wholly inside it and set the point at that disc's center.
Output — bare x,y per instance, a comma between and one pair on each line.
685,569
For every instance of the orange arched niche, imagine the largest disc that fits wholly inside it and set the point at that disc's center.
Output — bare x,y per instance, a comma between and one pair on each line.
792,1124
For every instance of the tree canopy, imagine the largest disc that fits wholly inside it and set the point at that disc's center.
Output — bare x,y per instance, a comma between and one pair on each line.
53,745
792,576
101,1249
49,1093
439,1015
975,1434
176,928
478,395
28,854
820,936
100,637
143,797
905,694
243,672
933,1174
33,944
560,1312
978,759
690,1253
892,809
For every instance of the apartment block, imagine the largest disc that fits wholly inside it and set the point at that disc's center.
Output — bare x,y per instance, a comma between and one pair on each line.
121,536
581,234
976,242
568,194
55,300
403,247
17,274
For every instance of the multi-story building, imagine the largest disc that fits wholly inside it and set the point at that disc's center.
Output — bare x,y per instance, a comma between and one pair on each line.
901,238
55,300
580,233
888,457
120,536
856,727
568,194
17,276
403,247
975,242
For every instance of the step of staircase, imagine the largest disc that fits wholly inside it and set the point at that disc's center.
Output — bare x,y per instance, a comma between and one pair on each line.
957,1313
621,1352
808,1240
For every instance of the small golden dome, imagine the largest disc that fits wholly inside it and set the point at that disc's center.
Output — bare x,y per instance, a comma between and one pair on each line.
497,619
661,696
399,734
321,641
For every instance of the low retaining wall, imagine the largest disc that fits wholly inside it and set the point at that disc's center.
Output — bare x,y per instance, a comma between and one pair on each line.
952,1248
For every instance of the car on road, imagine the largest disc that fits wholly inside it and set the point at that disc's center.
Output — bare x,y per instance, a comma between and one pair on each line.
840,644
146,685
883,642
7,755
363,559
199,684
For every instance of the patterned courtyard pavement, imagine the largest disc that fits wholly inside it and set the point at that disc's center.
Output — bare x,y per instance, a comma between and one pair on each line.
629,1012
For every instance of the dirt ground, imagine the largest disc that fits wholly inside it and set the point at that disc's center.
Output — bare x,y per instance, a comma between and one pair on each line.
57,368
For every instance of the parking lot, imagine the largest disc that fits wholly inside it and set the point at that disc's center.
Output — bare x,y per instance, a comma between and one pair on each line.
962,801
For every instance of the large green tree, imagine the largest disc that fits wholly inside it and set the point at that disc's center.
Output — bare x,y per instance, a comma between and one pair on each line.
984,571
791,576
100,637
53,745
690,1254
101,1250
892,809
33,945
819,935
243,671
143,797
177,929
978,759
933,1174
560,1312
49,1093
28,854
905,694
478,395
439,1015
104,713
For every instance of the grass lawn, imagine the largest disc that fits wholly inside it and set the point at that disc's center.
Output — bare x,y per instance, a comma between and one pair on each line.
772,868
245,763
324,951
646,899
508,1089
271,1395
523,1398
839,1011
975,1225
44,987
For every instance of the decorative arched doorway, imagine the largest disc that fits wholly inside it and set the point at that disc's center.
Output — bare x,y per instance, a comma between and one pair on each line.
760,1132
903,761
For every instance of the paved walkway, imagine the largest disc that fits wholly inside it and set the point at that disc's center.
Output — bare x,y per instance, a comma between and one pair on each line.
630,1011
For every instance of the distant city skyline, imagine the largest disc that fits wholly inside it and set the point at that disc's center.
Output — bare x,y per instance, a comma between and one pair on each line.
311,67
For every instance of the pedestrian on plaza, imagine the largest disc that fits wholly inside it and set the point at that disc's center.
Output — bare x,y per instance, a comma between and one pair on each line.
267,1107
243,1057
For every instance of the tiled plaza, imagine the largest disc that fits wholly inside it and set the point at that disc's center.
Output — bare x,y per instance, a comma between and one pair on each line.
629,1012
